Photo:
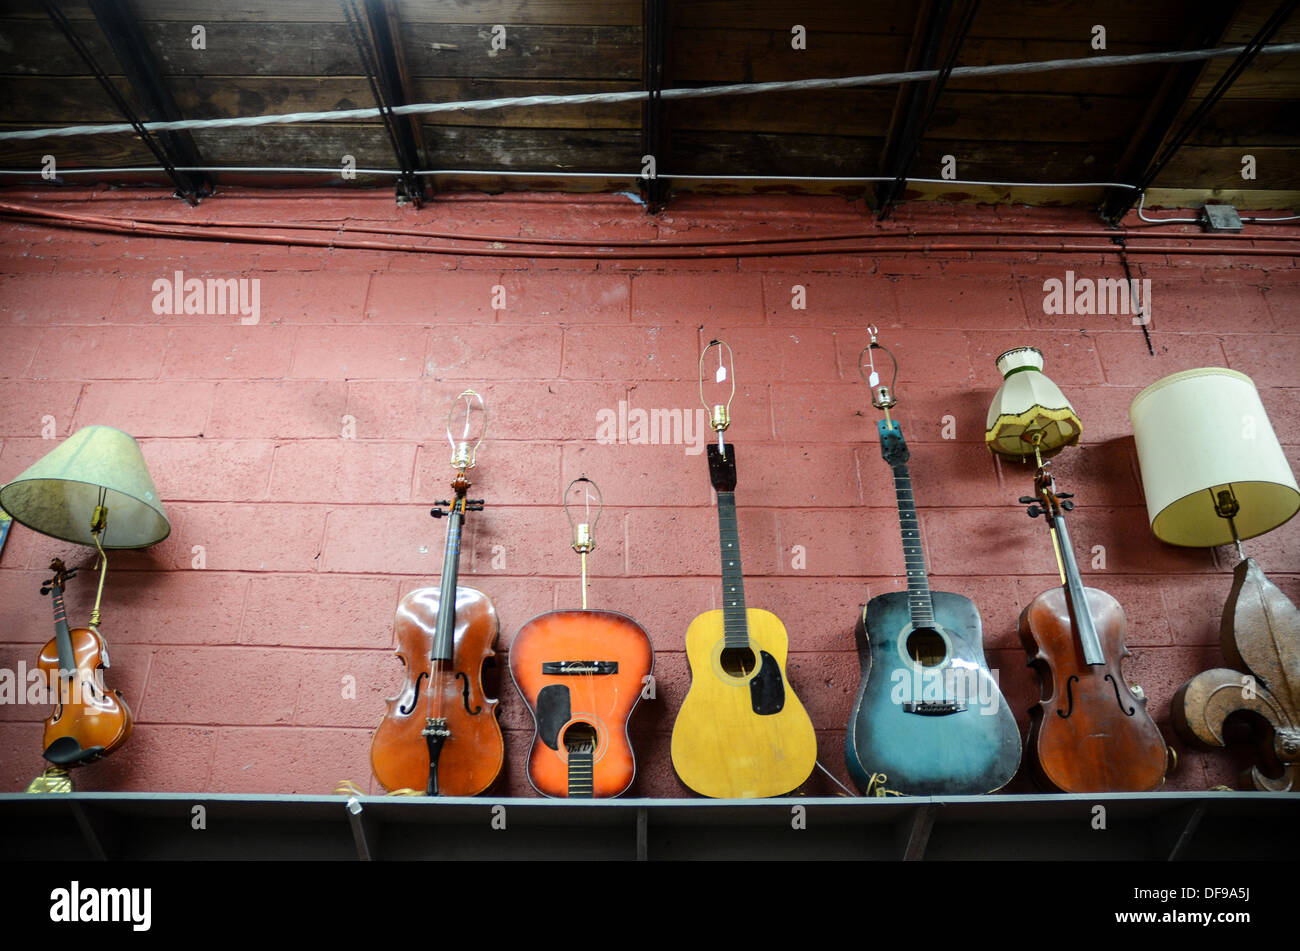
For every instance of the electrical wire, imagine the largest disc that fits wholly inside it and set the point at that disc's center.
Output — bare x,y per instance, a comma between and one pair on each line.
702,92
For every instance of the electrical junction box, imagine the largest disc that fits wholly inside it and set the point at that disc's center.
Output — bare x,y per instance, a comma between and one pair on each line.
1220,218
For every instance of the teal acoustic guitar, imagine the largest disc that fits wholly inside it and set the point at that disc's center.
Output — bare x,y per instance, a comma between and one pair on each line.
929,718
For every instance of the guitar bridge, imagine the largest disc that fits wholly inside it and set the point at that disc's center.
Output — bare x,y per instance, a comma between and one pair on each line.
564,668
934,708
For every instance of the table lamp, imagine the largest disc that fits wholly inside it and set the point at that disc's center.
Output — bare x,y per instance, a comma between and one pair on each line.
91,489
1214,473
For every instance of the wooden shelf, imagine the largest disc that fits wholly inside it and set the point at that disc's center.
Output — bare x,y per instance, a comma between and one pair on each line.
169,826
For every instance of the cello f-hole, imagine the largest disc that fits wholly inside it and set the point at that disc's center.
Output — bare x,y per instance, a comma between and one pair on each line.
1069,695
464,678
415,695
1118,699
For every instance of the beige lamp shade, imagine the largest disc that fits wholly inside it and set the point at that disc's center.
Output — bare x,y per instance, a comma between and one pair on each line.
1027,406
58,495
1202,431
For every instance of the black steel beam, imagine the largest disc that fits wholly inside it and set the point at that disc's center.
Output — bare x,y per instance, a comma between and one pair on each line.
918,101
1166,105
169,148
654,132
374,28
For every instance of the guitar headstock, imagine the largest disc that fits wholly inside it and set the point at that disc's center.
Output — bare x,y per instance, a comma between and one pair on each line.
893,447
722,469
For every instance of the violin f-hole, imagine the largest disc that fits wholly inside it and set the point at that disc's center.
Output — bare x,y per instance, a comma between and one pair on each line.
464,678
1069,695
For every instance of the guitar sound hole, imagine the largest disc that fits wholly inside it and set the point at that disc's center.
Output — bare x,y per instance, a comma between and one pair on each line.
926,647
737,661
580,738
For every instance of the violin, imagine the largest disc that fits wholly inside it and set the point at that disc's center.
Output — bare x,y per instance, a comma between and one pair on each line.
1090,732
441,733
89,721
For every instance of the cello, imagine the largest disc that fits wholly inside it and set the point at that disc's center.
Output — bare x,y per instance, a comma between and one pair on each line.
581,672
441,733
1090,732
88,721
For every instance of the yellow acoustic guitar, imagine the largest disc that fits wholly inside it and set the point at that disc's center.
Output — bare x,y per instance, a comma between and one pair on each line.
741,732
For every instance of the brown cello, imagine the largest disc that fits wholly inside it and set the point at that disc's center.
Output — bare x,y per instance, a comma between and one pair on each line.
1090,732
441,733
89,721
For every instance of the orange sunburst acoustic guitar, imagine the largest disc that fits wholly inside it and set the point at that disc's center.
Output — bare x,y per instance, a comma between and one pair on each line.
581,674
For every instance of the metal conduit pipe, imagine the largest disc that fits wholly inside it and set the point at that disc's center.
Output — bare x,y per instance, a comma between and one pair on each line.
722,249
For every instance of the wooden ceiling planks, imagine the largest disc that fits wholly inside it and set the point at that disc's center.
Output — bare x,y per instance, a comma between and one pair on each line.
267,56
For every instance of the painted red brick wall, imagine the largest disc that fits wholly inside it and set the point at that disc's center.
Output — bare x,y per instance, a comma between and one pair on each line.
236,671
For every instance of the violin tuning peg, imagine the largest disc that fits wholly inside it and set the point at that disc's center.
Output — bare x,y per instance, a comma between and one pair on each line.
1067,505
1065,495
437,513
1028,499
1034,511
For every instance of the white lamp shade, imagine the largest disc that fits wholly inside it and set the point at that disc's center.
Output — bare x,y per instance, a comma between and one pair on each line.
1029,405
1199,432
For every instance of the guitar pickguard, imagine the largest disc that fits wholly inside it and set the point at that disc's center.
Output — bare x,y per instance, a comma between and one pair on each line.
767,689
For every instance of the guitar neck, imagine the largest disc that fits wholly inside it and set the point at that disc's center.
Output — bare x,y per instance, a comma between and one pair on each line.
919,601
1093,655
444,633
581,774
734,620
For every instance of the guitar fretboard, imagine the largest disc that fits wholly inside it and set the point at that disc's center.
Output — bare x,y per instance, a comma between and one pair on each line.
581,766
734,622
918,582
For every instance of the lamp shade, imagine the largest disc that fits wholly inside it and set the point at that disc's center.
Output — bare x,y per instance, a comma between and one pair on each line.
1200,432
58,495
1027,408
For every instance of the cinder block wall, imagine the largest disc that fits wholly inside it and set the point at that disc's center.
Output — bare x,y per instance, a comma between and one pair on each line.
297,457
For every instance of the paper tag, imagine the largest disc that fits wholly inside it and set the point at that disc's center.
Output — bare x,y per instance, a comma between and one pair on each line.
721,375
874,379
